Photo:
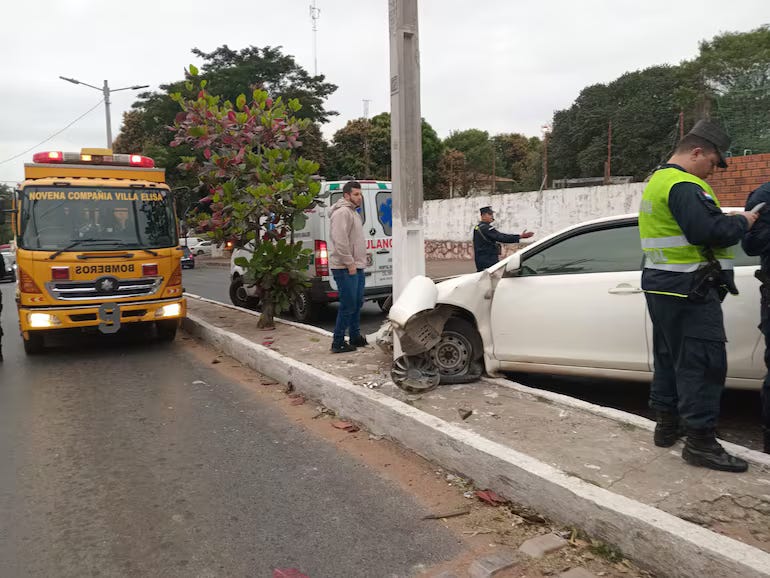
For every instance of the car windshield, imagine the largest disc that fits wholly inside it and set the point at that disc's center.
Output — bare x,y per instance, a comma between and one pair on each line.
55,218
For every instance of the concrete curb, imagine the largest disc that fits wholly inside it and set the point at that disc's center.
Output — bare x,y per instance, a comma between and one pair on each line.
256,314
753,456
654,539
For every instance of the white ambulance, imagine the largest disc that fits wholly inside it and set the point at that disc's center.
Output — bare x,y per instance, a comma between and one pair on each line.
377,214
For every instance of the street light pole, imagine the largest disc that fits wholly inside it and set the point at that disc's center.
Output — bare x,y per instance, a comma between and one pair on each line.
106,90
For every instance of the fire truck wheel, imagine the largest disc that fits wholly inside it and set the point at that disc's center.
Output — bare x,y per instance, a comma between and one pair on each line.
34,345
167,329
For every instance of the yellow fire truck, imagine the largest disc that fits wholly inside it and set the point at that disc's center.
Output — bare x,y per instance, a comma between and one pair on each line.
97,246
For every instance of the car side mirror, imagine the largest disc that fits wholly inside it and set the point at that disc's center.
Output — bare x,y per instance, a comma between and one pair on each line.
513,264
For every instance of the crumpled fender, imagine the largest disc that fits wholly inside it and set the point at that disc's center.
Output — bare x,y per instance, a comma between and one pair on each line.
420,294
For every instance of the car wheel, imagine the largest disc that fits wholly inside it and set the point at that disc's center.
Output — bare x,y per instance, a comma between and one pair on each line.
200,252
35,344
303,308
458,354
385,303
166,329
239,297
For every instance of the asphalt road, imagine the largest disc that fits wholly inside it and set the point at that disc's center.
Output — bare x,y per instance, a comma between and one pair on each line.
123,457
214,283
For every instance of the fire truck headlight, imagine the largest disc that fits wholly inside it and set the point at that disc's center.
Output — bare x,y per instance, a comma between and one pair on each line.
43,320
172,310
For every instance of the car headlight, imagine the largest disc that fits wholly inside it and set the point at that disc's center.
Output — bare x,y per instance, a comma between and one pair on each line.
171,310
42,320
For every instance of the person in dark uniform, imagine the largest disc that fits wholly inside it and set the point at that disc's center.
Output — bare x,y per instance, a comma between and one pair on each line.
487,239
686,237
757,242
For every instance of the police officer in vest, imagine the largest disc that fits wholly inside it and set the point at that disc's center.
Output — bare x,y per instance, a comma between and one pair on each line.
687,272
487,239
757,242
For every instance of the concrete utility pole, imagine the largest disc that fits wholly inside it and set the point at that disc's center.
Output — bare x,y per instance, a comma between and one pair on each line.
406,147
106,91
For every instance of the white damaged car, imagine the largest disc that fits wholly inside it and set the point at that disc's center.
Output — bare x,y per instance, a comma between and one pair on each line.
569,304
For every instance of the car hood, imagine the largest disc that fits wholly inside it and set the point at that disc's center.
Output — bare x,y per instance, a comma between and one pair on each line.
470,292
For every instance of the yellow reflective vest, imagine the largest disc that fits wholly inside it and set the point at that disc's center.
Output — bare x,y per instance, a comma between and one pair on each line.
664,244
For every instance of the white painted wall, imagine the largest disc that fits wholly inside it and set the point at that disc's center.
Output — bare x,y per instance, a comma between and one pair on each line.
542,212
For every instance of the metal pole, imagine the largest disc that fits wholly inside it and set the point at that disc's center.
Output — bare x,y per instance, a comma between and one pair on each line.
494,173
406,147
106,92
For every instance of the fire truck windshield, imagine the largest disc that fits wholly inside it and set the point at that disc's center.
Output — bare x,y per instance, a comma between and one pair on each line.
55,218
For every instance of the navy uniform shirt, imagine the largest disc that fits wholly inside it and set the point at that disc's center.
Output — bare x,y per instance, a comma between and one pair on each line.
757,240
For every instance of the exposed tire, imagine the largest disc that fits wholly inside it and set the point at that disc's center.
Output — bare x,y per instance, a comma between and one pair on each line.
385,303
166,329
35,344
239,297
200,252
458,356
303,309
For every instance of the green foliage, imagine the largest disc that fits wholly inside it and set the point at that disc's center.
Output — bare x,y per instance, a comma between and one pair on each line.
229,73
6,195
362,149
728,81
245,156
277,269
736,68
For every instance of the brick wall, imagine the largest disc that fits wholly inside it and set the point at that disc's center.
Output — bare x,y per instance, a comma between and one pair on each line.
744,174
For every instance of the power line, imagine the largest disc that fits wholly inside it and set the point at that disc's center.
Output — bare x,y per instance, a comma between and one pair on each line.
21,154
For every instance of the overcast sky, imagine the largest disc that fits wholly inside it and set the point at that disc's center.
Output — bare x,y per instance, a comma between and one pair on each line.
496,65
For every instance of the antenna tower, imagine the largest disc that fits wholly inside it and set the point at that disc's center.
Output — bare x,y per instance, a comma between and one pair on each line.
315,14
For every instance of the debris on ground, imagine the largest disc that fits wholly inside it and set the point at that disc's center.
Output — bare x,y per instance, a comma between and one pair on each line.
345,425
464,413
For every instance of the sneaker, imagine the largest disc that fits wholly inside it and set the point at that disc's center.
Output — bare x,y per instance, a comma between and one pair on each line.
358,341
343,347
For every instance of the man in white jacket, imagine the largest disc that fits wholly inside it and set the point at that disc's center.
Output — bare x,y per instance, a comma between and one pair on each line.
347,260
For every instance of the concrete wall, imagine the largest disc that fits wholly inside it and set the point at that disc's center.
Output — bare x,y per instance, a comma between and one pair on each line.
449,222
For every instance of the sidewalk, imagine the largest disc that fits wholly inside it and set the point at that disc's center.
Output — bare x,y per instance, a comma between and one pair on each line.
583,465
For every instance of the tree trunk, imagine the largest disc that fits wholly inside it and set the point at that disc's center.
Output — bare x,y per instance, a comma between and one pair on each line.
266,317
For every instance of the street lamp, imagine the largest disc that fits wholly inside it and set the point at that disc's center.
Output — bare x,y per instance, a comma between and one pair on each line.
106,90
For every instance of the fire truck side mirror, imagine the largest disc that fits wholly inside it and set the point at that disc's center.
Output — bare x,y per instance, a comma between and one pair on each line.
6,207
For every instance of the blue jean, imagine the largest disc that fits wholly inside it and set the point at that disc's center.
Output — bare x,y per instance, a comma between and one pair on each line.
351,289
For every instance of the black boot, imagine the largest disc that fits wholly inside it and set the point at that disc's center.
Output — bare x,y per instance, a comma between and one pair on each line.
702,449
767,440
667,429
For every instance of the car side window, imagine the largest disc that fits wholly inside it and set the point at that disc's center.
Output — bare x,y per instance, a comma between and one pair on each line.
596,251
337,196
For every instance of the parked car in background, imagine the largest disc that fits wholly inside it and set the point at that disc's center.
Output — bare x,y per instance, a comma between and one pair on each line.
569,304
188,259
9,263
190,241
202,248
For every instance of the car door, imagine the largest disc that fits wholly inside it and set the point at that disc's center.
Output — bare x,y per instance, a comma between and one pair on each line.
575,301
379,239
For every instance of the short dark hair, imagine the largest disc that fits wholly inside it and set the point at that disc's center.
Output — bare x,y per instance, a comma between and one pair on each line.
349,186
691,142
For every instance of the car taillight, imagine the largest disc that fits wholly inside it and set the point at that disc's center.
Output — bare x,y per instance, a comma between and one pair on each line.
150,270
60,273
176,278
26,283
321,258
